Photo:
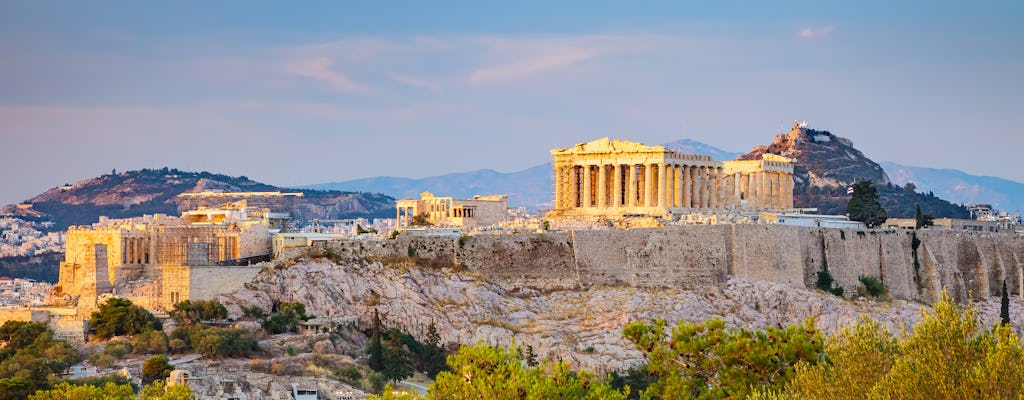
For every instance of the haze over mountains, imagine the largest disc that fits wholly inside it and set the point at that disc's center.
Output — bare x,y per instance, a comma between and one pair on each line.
531,187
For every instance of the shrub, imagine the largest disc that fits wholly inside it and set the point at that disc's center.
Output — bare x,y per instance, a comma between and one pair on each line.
156,367
872,285
117,317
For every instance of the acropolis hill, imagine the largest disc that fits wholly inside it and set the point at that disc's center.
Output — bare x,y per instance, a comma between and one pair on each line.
706,223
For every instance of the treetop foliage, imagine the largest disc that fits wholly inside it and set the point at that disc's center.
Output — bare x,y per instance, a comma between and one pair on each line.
863,205
118,317
30,358
190,312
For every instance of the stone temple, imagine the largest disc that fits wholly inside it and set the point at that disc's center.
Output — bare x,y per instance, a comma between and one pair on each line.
619,178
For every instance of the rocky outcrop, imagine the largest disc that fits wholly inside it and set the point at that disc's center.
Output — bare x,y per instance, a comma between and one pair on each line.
582,325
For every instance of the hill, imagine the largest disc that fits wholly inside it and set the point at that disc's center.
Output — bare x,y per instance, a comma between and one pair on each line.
959,186
151,191
827,164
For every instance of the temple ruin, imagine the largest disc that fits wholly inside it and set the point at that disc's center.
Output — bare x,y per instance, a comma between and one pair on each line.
616,178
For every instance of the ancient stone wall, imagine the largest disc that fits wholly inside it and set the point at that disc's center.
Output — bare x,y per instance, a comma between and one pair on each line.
703,257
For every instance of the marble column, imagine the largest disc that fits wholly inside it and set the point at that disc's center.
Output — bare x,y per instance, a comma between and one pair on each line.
587,183
558,187
662,185
677,184
716,187
648,185
617,185
602,185
687,186
737,190
574,187
631,191
766,198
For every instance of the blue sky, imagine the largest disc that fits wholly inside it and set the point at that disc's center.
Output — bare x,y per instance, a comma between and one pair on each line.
328,91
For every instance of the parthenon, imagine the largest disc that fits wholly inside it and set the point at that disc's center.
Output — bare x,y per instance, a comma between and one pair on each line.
607,177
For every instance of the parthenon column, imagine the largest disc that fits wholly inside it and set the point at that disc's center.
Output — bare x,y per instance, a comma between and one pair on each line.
777,190
662,185
617,185
755,190
631,191
737,190
687,185
788,193
648,185
716,187
677,185
765,188
587,182
698,182
558,186
602,185
574,187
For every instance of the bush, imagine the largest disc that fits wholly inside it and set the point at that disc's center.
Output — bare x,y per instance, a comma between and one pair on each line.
189,312
286,319
152,342
156,367
30,358
117,317
873,286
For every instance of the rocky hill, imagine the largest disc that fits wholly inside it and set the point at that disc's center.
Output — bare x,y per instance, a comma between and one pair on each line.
827,164
580,325
150,191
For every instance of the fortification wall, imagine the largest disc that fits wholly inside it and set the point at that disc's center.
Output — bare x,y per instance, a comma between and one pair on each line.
703,257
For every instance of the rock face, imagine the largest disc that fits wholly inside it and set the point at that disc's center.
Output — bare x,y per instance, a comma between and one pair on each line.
583,325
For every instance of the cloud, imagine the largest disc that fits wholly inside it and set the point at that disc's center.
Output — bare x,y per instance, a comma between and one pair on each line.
814,33
416,83
320,69
530,65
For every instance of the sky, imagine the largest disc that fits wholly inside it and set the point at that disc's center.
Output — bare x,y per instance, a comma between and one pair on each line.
310,92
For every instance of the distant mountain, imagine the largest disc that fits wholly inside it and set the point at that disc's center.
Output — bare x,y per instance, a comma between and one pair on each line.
827,164
530,188
151,191
688,146
960,187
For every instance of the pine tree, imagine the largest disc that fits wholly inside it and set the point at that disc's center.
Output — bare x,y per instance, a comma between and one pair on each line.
397,359
1004,306
432,358
376,348
863,205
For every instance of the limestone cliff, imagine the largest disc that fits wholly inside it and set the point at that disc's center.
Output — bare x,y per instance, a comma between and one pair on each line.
582,325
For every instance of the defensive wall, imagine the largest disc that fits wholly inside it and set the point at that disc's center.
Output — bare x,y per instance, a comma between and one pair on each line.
703,257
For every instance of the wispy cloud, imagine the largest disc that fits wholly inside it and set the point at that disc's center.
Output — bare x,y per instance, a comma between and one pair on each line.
530,66
320,69
814,33
416,83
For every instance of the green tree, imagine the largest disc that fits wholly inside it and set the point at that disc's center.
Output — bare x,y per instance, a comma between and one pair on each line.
947,355
1004,306
397,359
376,348
117,317
431,356
30,358
66,391
710,361
286,319
190,312
152,342
863,205
483,372
922,220
160,390
156,367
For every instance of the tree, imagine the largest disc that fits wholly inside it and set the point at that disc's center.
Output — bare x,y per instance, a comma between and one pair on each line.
376,349
30,358
922,220
709,361
863,205
947,355
156,367
397,359
1004,306
66,391
431,357
190,312
484,372
286,319
117,317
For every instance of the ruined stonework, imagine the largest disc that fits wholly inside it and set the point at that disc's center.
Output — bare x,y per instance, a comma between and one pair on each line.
704,257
